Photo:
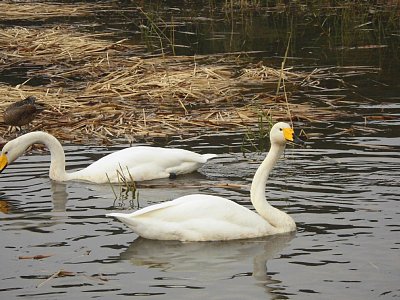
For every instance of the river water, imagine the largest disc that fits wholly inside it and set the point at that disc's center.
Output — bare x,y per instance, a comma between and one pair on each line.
342,190
343,193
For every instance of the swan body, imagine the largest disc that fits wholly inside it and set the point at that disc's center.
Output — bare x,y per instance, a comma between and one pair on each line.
197,217
140,163
201,217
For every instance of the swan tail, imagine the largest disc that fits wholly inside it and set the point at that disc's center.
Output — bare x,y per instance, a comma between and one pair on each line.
117,215
209,156
124,218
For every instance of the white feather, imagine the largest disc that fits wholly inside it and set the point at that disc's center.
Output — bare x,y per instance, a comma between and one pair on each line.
142,162
200,217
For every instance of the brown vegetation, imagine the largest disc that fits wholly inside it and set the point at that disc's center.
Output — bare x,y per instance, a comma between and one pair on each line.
96,89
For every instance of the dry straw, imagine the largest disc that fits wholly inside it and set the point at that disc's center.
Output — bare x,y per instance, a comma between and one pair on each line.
35,11
97,89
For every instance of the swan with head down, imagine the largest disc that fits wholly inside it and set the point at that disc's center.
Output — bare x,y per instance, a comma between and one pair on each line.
200,217
140,163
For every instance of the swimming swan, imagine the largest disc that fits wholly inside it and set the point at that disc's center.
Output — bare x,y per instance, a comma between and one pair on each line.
211,218
142,162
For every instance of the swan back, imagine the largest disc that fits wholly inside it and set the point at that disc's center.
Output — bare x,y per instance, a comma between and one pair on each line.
142,163
196,217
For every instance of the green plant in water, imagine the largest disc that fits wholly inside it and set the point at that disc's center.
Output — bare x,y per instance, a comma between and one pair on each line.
257,139
153,29
127,189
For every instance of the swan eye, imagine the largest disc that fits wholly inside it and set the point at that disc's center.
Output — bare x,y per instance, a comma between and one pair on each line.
280,129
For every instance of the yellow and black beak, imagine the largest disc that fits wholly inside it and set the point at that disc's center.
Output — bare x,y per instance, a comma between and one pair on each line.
289,135
3,162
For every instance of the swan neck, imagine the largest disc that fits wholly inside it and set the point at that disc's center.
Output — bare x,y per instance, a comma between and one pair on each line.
277,218
262,174
57,164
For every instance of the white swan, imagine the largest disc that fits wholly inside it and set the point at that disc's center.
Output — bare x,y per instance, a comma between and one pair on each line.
142,162
211,218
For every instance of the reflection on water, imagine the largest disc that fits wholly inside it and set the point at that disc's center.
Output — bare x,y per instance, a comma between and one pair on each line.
59,196
205,258
192,265
344,200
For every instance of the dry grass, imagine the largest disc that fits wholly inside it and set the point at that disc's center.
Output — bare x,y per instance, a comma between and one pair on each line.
96,89
41,11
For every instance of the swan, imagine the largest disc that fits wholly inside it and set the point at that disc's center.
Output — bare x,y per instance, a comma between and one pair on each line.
200,217
140,163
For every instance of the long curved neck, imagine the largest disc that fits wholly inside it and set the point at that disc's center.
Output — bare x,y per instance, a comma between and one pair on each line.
57,165
277,218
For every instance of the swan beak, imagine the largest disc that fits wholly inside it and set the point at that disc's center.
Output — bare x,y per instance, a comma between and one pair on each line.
289,135
3,162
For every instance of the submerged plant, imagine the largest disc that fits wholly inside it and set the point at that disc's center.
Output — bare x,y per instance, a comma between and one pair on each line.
127,189
153,29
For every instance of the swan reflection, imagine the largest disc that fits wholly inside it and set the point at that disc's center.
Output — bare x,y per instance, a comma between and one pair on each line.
59,196
208,260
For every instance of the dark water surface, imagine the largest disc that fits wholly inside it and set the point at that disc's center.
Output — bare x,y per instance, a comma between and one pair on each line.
343,193
343,190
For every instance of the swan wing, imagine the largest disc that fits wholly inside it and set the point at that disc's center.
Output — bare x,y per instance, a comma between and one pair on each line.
143,163
196,218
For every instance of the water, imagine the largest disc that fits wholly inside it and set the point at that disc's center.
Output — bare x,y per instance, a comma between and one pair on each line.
342,192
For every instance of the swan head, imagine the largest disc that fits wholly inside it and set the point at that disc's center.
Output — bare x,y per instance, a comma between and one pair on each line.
11,151
281,133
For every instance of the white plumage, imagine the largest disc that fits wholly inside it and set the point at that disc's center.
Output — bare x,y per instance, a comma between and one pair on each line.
142,162
196,217
201,217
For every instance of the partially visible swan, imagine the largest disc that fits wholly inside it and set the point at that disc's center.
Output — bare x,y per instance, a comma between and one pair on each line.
141,162
201,217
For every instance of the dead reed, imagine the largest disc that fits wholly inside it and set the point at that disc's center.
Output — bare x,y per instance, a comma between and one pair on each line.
96,89
39,11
